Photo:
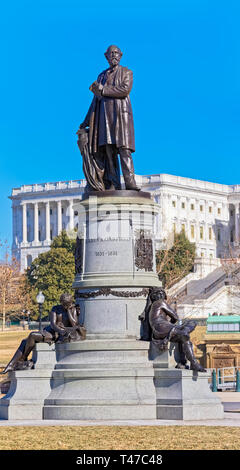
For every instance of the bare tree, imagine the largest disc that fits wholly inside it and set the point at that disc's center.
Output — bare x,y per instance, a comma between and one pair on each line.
231,267
13,294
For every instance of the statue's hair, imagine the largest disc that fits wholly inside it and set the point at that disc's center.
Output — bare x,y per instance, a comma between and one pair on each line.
112,45
156,293
66,298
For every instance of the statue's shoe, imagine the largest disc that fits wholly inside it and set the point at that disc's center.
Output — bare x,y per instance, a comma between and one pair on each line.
7,369
196,366
133,188
181,366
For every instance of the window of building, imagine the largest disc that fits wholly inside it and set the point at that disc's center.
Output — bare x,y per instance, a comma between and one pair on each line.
174,203
75,212
210,209
39,212
219,234
219,211
201,208
50,211
230,327
231,212
201,233
51,234
192,231
62,210
202,254
183,227
192,207
231,236
210,233
183,205
174,227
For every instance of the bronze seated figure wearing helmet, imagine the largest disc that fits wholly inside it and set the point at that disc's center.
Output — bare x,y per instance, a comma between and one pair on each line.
161,324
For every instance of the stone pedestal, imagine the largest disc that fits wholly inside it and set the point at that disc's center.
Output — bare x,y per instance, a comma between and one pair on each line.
29,388
115,260
182,394
185,395
90,380
108,378
102,379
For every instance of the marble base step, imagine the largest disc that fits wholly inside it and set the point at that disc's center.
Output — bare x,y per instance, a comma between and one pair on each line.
185,395
100,379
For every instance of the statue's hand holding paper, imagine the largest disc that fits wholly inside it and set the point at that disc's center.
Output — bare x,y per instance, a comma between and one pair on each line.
96,88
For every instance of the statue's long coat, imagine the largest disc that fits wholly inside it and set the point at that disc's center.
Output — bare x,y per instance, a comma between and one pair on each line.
110,117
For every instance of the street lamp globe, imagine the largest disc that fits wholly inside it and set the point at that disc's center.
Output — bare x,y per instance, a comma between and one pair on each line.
40,298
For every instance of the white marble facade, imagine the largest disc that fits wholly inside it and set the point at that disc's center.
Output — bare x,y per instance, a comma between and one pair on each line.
208,212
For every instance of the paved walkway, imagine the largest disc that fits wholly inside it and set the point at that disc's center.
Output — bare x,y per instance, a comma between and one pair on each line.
230,400
230,419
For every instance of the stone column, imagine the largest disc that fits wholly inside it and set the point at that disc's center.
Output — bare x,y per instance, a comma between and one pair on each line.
236,205
188,218
59,217
36,227
178,214
47,208
71,216
24,222
14,225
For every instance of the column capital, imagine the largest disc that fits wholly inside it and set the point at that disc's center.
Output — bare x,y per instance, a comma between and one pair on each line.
70,214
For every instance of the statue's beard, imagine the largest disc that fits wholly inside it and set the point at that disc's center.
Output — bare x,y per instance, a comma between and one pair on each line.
113,62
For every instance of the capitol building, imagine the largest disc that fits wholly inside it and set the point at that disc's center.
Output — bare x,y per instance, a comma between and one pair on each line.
208,212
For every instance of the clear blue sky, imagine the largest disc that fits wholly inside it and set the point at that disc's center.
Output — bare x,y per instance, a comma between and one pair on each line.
185,56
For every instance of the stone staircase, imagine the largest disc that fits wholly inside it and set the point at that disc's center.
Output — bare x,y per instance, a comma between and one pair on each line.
199,297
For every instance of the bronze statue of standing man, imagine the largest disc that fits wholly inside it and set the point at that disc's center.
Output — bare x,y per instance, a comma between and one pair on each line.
108,128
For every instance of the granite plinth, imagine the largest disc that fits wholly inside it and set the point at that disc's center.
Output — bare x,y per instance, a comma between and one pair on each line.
185,395
108,377
92,379
117,259
112,313
29,388
102,379
182,394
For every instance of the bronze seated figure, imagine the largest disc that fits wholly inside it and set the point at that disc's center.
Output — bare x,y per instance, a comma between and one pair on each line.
64,326
161,325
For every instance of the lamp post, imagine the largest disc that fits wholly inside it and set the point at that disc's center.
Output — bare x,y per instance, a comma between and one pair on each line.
40,300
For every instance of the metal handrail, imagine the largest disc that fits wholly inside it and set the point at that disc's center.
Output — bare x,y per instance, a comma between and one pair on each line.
220,279
223,377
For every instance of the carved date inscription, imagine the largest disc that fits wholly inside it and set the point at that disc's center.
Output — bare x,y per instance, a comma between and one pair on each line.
106,253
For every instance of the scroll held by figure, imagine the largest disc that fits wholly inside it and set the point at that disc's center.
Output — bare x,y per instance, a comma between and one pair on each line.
107,130
161,325
64,327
